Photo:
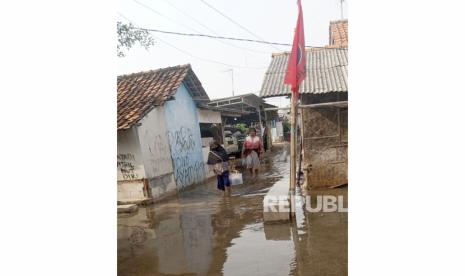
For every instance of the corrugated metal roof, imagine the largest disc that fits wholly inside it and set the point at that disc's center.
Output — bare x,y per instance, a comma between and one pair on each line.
326,72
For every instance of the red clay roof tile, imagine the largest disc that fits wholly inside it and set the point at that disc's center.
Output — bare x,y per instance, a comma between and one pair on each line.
138,93
338,33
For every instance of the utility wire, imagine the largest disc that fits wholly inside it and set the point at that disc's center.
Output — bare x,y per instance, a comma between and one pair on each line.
162,15
209,60
211,30
231,38
237,24
179,23
212,36
189,54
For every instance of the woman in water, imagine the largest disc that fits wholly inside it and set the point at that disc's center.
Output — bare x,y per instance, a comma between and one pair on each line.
218,161
251,150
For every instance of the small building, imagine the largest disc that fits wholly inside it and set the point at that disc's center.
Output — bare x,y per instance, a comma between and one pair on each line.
250,110
322,114
160,148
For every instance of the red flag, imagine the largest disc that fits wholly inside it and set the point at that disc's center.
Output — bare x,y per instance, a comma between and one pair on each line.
296,66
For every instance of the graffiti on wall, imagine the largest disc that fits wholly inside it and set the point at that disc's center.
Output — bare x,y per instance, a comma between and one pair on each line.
157,146
126,166
159,153
181,141
187,169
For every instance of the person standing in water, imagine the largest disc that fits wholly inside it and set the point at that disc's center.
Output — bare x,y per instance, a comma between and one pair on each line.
218,161
265,136
251,151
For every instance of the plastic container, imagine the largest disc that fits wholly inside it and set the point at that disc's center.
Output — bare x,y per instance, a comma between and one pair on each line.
235,177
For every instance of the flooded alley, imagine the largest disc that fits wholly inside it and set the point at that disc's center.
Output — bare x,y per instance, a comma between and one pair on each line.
199,232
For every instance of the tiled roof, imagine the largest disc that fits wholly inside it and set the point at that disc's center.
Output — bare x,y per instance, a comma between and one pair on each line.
338,33
326,72
138,93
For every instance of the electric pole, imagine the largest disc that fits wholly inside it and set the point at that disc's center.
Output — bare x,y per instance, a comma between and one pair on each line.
232,78
342,9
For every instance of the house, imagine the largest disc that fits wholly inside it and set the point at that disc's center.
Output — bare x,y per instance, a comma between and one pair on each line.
338,33
323,109
159,139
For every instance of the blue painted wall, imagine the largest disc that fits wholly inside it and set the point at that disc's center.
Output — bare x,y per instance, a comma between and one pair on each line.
183,134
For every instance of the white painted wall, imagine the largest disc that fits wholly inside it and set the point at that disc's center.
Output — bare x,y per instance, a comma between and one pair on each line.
130,191
208,172
156,152
184,137
274,136
154,144
163,186
129,159
209,116
279,134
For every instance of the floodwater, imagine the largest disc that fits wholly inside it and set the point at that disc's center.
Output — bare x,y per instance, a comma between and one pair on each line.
200,232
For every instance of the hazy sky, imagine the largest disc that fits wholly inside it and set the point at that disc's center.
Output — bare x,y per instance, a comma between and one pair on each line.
272,20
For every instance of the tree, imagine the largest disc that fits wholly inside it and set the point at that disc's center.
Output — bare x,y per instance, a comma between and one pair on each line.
128,35
242,127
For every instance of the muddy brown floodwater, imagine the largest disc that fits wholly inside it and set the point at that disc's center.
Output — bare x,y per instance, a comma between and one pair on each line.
199,232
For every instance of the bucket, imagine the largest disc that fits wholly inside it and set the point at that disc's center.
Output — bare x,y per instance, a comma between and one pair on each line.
235,177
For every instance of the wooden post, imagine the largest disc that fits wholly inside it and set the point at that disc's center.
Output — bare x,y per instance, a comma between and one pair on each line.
260,122
293,155
268,142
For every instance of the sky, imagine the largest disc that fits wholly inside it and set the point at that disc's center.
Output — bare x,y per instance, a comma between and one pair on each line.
211,59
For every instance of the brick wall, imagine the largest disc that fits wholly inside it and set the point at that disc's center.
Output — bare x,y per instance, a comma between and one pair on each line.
338,33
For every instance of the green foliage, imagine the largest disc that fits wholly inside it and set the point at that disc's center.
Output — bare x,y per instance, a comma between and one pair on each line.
242,127
128,35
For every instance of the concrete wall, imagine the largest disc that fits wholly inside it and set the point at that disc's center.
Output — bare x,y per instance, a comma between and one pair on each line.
156,154
129,191
184,138
208,171
129,159
277,131
208,116
130,166
325,146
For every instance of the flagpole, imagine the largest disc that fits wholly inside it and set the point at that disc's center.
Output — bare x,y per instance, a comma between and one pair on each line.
296,73
293,155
